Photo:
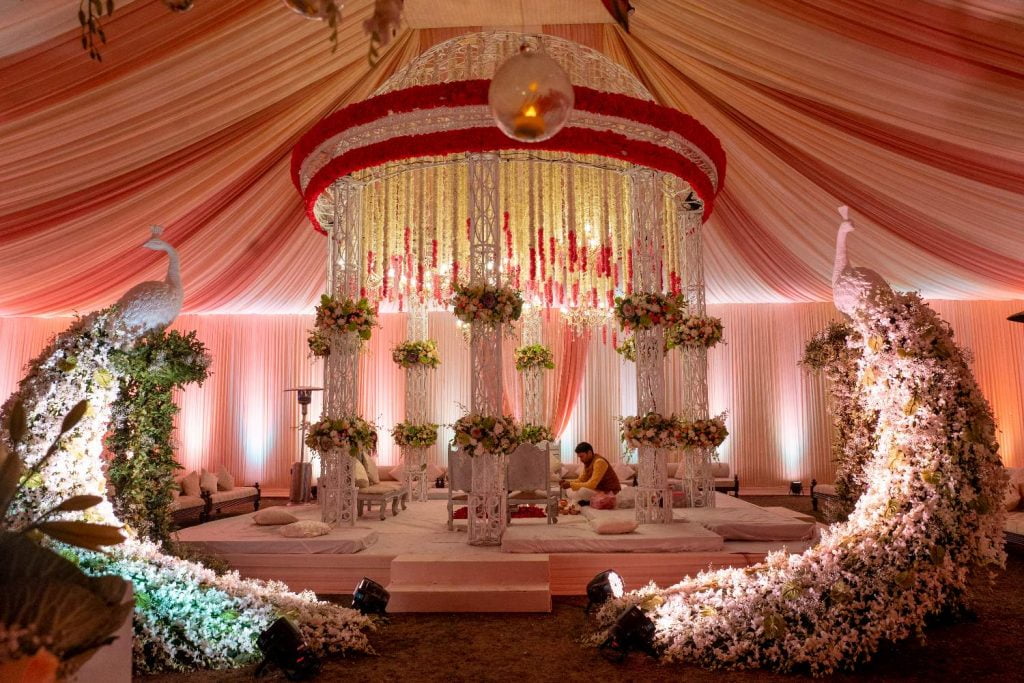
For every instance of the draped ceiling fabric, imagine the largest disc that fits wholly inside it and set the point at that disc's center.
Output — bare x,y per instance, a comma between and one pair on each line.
911,113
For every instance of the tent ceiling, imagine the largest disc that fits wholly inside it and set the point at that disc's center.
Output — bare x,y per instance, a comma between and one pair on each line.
909,112
512,13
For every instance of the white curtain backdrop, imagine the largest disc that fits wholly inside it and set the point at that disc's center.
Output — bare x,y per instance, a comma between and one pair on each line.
779,429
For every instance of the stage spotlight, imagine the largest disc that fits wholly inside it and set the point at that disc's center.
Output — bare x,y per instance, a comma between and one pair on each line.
370,597
633,630
283,646
604,586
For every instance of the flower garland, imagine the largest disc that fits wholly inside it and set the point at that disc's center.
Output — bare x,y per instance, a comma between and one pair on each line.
414,435
531,433
709,433
413,354
929,514
647,310
485,434
350,432
694,331
651,431
534,356
346,315
487,304
191,617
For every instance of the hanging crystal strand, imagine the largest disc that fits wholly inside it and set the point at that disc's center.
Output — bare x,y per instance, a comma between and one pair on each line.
532,378
415,459
653,500
337,485
487,501
699,484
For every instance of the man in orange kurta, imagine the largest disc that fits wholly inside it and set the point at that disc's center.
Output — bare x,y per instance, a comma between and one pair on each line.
597,476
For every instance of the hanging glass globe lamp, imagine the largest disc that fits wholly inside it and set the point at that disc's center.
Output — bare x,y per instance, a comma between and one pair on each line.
530,95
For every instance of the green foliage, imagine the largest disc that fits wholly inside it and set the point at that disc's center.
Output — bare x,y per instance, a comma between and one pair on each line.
142,470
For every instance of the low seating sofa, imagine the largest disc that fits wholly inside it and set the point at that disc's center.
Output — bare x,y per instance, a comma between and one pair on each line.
200,496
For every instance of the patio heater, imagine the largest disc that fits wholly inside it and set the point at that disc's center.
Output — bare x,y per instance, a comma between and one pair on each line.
302,471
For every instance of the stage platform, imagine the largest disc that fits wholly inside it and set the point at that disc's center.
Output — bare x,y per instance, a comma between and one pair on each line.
429,568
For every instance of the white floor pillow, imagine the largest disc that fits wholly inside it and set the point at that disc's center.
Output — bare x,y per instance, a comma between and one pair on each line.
190,484
613,526
626,498
273,517
305,529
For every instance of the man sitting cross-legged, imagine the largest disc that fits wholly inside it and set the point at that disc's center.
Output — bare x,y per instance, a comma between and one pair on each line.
597,476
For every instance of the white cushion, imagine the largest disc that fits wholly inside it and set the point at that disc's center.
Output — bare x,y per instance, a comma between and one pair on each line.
233,494
225,482
626,498
186,503
1011,499
381,487
1015,523
396,473
613,525
208,482
720,470
570,470
190,484
273,517
305,529
623,471
371,470
556,465
362,478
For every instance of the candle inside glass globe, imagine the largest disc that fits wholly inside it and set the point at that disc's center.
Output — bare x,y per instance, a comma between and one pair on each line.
530,96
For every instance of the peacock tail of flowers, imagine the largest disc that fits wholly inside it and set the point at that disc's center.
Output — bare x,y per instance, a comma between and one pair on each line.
929,515
186,616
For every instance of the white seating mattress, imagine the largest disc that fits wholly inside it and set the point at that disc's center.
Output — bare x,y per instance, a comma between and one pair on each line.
576,536
240,536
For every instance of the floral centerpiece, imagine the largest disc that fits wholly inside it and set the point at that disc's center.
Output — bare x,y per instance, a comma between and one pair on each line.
531,433
319,344
534,356
479,434
414,435
345,315
647,310
351,432
487,304
411,354
694,331
651,431
709,433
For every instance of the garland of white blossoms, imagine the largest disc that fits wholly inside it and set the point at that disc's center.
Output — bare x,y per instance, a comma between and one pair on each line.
929,515
185,616
480,434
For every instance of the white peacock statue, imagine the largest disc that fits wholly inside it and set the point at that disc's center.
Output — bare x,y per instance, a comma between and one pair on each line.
154,303
853,288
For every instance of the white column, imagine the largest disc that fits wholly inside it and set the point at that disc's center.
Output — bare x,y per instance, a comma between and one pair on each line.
415,459
487,500
533,378
698,484
653,500
337,490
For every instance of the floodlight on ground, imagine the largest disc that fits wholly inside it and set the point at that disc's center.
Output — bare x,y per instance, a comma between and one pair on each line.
603,587
633,630
283,646
370,597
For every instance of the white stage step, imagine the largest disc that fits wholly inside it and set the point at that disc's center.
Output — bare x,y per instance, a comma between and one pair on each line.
442,583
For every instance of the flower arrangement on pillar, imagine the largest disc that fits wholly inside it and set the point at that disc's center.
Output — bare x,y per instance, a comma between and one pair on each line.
531,433
705,434
488,440
487,304
694,331
644,311
414,439
534,356
418,353
652,431
345,315
485,434
339,441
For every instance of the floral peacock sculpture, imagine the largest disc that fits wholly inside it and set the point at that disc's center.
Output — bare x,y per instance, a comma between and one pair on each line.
186,616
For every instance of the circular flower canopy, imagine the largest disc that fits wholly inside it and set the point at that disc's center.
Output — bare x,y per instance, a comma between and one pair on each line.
395,168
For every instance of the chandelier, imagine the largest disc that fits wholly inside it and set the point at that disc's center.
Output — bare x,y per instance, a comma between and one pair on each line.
582,318
392,174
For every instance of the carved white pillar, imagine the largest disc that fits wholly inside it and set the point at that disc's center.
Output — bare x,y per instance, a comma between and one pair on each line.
653,500
487,500
337,489
415,459
698,482
532,378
